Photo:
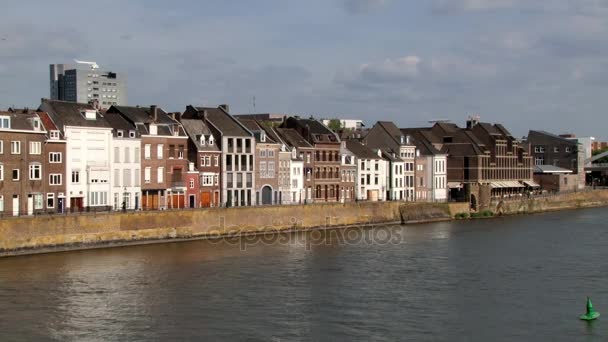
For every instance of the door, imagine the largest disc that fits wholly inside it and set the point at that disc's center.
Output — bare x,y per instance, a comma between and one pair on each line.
177,201
15,205
216,199
266,195
205,199
151,201
60,205
191,200
30,205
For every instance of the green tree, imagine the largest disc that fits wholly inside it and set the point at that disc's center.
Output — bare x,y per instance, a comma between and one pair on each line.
603,160
335,125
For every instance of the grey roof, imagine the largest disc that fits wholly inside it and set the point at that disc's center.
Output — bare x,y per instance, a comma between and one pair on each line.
65,113
195,128
317,132
224,122
550,169
420,139
118,122
22,121
360,150
254,127
138,114
538,134
142,117
293,138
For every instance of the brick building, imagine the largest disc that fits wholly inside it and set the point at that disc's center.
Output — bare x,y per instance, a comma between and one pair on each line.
204,152
164,151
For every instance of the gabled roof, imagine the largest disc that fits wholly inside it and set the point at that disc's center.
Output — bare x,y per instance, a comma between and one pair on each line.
47,122
22,121
195,128
118,122
293,138
392,130
224,122
64,113
137,114
537,134
420,139
317,131
361,151
254,127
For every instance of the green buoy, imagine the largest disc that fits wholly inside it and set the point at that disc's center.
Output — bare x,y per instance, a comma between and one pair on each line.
591,313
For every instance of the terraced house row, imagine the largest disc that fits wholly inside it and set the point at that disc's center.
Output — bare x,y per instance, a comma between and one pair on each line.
74,157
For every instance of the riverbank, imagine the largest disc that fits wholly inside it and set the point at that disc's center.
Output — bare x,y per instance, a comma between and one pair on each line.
31,235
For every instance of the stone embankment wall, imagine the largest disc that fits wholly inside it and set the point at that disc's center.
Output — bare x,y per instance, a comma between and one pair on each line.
28,235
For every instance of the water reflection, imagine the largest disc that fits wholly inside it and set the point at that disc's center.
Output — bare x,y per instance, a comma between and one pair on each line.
474,281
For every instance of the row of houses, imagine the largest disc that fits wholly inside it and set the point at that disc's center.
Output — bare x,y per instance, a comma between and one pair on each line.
72,157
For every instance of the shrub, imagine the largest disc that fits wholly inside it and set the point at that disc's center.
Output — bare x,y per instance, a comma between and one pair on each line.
461,216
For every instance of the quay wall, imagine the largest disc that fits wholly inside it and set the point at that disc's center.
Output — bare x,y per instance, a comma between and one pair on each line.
41,234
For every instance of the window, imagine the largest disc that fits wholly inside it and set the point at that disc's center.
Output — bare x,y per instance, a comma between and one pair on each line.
35,147
38,201
1,146
126,177
271,169
159,151
136,155
568,149
136,178
171,151
180,152
270,153
216,160
127,155
55,179
191,183
5,122
116,154
556,149
98,198
147,175
160,174
147,151
75,177
120,133
55,157
54,135
211,141
539,161
262,169
116,177
1,203
206,180
263,153
35,171
131,134
1,172
15,147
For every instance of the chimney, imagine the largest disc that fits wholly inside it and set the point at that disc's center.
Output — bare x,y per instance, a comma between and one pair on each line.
472,121
177,116
154,112
205,115
225,107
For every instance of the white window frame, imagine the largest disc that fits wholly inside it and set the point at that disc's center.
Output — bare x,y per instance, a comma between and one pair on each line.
38,202
5,122
77,173
55,179
160,151
1,203
15,147
55,157
1,172
35,147
33,169
147,151
160,175
147,175
1,146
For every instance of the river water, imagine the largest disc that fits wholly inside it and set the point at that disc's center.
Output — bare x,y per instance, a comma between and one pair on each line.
506,279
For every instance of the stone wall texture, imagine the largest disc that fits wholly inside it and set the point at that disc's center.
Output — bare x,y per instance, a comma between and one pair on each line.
28,235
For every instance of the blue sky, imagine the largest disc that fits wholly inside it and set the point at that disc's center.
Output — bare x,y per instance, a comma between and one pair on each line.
528,64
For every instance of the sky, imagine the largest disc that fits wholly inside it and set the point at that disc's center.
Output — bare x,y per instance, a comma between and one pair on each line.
527,64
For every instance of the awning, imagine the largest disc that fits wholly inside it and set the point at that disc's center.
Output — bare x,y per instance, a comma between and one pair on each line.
506,185
454,185
532,184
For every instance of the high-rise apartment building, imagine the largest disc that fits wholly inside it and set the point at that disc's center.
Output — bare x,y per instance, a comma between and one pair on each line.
85,82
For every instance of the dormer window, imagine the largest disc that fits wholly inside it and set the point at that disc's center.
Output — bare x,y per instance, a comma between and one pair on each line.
54,135
120,133
202,140
153,129
211,140
37,124
5,122
89,114
262,137
131,134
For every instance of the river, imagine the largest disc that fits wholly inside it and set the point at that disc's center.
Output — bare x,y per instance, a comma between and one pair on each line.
507,279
